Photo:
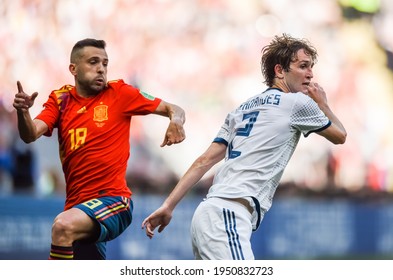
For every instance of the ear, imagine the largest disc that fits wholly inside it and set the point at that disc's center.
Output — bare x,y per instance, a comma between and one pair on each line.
72,68
278,70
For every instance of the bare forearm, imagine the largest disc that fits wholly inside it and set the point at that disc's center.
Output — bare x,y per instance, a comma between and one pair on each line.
172,111
30,129
185,184
198,169
26,126
336,133
332,117
175,113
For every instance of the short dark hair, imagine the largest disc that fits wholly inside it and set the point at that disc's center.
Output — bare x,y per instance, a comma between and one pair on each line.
88,42
282,50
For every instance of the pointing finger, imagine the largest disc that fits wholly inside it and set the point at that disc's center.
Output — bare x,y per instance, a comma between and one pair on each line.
20,88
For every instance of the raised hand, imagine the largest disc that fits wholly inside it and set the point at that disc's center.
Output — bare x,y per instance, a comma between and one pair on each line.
316,92
23,101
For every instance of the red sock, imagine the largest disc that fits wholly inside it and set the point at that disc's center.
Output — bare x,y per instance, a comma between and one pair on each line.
61,253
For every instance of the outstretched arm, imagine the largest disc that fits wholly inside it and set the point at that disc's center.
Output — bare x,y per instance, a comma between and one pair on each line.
335,133
163,215
29,129
175,131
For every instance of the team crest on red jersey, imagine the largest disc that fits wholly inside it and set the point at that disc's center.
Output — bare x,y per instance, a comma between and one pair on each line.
100,114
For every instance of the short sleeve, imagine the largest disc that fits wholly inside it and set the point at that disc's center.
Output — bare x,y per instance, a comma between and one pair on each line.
134,101
307,117
223,134
50,112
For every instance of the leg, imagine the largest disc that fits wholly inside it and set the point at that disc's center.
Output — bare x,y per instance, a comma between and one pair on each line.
221,230
69,226
84,250
88,226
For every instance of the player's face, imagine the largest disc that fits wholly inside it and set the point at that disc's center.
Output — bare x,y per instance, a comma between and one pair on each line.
300,73
91,70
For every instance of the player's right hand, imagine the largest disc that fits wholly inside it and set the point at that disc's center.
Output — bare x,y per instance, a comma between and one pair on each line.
160,218
23,101
317,93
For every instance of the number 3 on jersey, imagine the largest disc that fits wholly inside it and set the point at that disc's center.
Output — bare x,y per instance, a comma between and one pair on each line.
77,137
243,131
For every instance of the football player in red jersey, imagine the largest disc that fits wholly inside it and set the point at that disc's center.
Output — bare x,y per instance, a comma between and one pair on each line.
93,119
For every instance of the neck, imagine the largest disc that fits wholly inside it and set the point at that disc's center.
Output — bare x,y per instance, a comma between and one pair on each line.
280,84
82,92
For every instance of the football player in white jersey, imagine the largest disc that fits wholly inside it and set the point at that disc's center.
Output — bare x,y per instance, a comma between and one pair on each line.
256,142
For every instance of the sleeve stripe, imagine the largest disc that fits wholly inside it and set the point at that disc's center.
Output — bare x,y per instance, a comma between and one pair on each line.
319,129
220,140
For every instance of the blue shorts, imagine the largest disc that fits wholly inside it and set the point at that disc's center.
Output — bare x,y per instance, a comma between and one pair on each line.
113,215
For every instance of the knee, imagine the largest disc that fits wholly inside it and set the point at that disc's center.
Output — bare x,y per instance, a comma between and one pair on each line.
62,231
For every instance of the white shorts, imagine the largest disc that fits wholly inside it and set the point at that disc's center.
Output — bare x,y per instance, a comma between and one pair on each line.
221,230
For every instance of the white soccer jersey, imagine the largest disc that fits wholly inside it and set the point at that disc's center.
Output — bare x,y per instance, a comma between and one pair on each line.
261,135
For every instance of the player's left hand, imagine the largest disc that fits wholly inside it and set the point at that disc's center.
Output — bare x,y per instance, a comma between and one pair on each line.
174,134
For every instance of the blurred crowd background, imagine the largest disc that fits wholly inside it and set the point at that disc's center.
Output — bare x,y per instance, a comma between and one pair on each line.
204,55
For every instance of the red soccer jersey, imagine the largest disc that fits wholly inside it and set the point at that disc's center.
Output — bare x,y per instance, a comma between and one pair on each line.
93,136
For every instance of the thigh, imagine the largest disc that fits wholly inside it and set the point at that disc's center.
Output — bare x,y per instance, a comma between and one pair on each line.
77,224
112,215
221,230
